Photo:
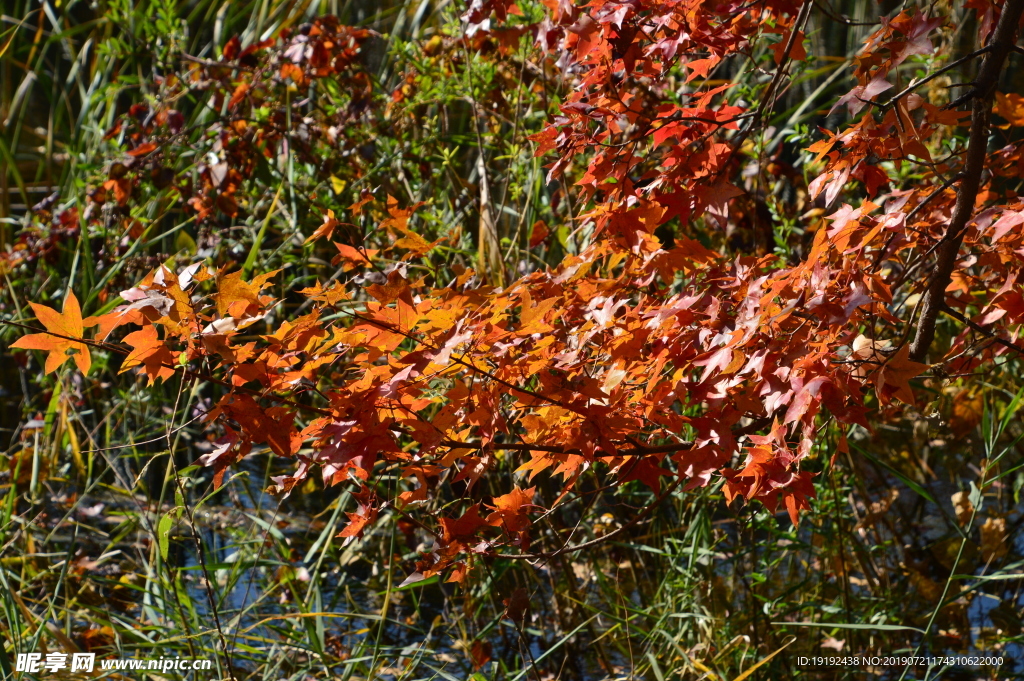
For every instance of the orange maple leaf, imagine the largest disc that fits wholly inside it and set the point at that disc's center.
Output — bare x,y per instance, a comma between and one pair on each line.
464,528
510,510
357,522
62,327
399,216
326,229
352,257
149,352
797,52
366,514
895,375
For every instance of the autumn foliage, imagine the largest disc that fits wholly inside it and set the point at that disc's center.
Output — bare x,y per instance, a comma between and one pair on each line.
676,347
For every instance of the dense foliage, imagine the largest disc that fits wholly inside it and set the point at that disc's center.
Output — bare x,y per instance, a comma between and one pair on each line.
495,275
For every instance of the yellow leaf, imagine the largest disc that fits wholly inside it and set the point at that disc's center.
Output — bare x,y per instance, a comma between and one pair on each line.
233,288
1011,107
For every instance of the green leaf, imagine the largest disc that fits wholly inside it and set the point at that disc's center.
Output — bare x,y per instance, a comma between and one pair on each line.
250,259
975,496
992,578
420,583
184,242
163,532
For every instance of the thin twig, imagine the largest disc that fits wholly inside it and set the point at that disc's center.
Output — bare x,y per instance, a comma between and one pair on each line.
918,83
981,329
197,540
646,511
556,449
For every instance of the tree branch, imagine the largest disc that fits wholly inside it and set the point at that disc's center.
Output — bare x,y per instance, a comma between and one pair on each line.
983,92
918,83
176,368
556,449
636,450
982,330
753,427
641,515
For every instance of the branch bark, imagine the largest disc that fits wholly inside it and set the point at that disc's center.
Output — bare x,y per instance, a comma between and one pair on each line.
977,149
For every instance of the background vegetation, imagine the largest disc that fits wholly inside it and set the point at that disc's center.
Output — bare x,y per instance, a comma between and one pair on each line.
113,540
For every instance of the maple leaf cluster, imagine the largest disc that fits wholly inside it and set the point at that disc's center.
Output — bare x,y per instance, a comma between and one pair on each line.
252,86
638,357
433,383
